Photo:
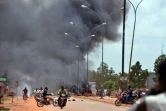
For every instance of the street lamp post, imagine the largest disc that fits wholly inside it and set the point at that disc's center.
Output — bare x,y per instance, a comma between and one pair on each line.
86,38
85,34
78,46
83,6
78,67
139,77
135,13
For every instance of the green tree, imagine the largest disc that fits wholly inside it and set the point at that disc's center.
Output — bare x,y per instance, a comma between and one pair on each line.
143,77
111,71
105,76
138,76
92,75
112,85
108,84
135,72
156,64
99,77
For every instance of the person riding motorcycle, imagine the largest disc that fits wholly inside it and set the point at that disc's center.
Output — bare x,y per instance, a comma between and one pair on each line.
25,92
36,91
129,94
45,93
60,92
40,91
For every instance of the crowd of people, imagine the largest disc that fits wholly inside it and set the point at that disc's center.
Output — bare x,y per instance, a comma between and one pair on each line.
154,101
44,92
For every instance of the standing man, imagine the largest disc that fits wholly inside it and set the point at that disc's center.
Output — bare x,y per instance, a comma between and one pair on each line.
45,94
101,92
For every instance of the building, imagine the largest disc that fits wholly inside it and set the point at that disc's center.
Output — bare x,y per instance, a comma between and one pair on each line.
149,82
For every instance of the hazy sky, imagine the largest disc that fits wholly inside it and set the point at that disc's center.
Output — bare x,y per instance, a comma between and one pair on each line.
149,37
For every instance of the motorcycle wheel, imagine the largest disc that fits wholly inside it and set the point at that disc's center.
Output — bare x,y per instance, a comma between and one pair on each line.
40,104
55,103
118,102
61,105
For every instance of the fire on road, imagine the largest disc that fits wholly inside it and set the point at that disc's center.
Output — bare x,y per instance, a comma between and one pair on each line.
86,105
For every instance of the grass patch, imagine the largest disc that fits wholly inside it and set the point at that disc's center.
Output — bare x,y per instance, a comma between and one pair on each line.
4,109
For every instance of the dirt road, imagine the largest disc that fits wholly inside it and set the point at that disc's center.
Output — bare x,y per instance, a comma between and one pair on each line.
20,105
78,105
86,105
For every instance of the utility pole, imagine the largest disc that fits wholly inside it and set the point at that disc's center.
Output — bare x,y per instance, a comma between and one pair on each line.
123,40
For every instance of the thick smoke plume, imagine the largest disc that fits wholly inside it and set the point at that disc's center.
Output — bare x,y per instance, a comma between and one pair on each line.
34,48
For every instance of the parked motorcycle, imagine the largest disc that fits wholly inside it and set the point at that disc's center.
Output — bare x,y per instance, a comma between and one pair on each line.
62,101
121,100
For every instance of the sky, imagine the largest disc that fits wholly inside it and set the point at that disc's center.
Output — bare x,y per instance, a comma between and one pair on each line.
149,37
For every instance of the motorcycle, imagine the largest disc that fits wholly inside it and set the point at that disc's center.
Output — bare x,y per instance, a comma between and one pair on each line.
37,97
47,101
62,101
55,101
121,100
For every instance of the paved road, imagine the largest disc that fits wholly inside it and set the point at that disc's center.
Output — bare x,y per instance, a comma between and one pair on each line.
86,105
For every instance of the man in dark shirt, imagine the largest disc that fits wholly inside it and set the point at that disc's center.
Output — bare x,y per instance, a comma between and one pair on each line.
129,94
45,92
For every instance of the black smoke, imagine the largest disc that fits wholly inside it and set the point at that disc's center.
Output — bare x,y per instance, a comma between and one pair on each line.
33,46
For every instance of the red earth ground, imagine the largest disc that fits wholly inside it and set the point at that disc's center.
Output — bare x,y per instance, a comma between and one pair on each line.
20,105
